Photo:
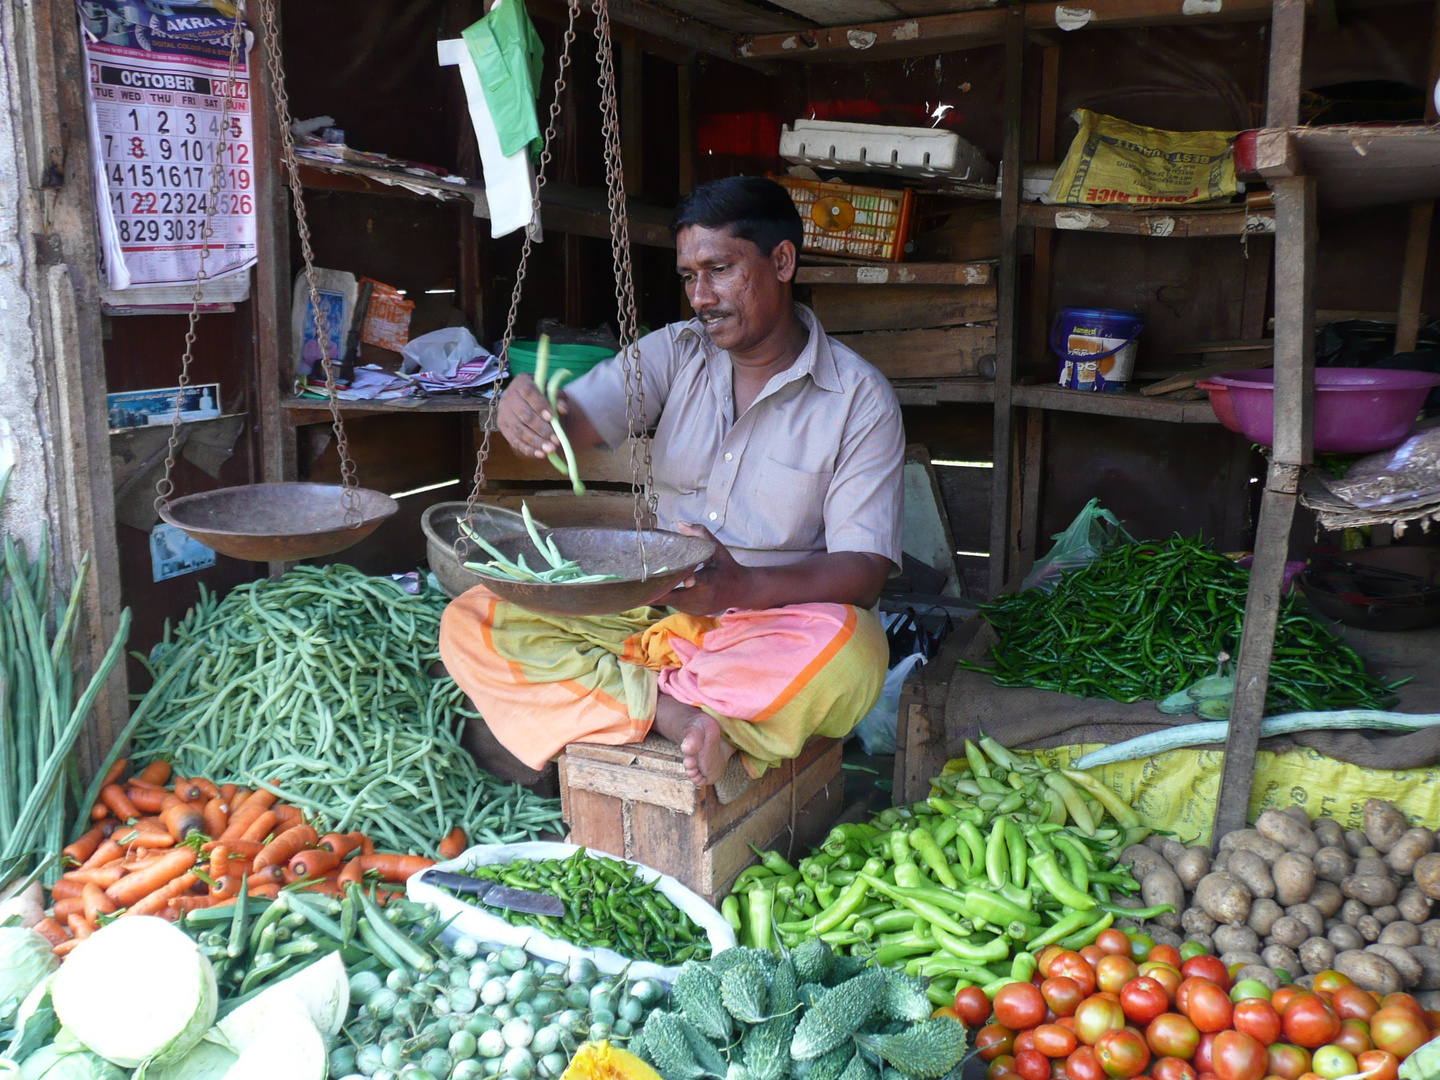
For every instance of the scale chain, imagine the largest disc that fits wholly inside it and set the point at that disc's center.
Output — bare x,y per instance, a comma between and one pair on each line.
165,487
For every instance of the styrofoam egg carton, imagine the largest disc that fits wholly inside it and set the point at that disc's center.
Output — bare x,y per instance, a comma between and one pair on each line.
905,151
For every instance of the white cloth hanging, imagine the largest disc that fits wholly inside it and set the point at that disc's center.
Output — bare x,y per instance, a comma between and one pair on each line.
509,179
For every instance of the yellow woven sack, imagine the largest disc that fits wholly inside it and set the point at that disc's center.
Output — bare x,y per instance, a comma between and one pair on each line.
1112,161
601,1061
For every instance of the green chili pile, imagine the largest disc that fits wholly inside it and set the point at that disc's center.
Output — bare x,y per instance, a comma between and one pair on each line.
608,905
1149,618
317,687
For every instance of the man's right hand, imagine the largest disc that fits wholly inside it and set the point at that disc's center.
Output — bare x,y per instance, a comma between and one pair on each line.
524,418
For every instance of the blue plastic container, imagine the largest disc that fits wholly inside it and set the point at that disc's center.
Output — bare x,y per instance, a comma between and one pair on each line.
1096,347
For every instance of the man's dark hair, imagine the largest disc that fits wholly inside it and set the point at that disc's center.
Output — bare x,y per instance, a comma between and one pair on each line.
753,208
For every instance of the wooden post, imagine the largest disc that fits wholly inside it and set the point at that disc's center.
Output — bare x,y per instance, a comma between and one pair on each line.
1287,50
1417,243
1294,400
685,146
1005,338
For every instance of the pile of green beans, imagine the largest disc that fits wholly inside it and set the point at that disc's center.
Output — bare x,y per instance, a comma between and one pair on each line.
317,687
964,888
1150,618
608,905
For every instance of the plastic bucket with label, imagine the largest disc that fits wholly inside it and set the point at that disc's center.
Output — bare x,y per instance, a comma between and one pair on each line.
1096,347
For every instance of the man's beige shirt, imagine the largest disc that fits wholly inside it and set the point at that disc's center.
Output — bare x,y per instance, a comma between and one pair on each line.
814,465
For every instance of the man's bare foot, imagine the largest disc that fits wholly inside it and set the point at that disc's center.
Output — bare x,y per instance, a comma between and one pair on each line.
705,750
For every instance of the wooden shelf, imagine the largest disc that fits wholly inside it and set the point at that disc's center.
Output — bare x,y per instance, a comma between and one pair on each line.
1127,405
299,411
1176,223
944,391
1356,166
566,209
968,273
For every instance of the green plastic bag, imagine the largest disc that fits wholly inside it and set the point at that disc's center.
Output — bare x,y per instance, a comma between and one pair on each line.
509,59
1093,532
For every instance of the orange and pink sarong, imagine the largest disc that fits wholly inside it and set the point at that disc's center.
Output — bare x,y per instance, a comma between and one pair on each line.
771,678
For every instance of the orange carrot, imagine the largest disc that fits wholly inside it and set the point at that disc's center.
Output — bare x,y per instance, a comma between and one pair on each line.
118,802
66,947
240,867
116,771
66,889
267,889
238,797
454,844
219,861
314,863
147,800
260,826
207,789
140,883
390,867
157,772
104,876
327,886
99,812
84,847
290,842
189,790
107,852
225,888
71,905
96,903
145,836
80,926
51,931
181,818
288,815
217,815
267,874
159,900
340,843
227,791
182,904
243,815
248,848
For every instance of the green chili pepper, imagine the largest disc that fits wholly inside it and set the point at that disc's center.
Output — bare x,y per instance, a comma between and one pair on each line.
970,834
997,949
1087,935
759,924
1067,925
996,855
1047,872
929,850
1015,844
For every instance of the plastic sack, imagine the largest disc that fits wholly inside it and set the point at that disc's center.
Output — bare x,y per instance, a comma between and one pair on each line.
440,352
488,928
1093,532
878,729
1112,161
1410,473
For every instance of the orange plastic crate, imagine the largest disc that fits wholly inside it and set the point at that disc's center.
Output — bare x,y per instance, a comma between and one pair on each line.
845,221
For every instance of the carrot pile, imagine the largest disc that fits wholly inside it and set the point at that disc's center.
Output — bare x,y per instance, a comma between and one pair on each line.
162,845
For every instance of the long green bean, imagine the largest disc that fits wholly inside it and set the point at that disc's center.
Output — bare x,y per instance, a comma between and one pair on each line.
318,688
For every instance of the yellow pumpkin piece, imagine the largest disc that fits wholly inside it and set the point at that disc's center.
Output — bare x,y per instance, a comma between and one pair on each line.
601,1061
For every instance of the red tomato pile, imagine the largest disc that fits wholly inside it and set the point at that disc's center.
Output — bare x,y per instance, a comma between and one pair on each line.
1121,1008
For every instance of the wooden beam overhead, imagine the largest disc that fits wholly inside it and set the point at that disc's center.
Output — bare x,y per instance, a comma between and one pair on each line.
682,29
739,16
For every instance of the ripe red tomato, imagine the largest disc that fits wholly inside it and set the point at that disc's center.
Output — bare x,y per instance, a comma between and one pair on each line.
1352,1003
1047,956
1207,967
1061,993
1024,1040
946,1010
1092,953
1054,1041
1095,1016
1287,1061
1398,1030
1032,1065
1331,981
1114,971
1113,942
1143,1000
1019,1005
1168,977
1173,1035
1171,1069
1072,965
1257,1018
1237,1056
1002,1068
1378,1065
1165,954
993,1040
1182,992
1084,1065
1407,1001
972,1005
1203,1050
1354,1036
1286,994
1208,1006
1122,1054
1308,1021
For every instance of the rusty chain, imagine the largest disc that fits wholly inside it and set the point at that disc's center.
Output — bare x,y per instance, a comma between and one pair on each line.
493,403
165,487
349,497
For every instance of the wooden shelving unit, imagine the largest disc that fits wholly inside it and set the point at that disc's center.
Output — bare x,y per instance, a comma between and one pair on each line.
1127,405
1178,222
303,410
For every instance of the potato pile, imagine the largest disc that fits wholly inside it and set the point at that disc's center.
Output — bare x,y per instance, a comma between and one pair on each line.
1298,897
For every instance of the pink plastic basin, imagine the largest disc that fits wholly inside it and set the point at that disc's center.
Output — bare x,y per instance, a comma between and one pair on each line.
1220,402
1357,410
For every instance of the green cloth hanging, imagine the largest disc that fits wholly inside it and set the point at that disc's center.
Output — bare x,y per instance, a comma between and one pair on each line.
509,58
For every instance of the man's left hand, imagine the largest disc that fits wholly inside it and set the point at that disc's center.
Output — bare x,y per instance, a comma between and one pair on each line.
720,584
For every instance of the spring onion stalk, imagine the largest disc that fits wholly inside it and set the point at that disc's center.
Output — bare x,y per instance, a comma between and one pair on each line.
1217,731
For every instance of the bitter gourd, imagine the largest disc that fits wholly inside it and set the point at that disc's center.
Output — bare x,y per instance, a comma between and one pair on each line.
697,993
743,993
812,959
927,1050
837,1015
666,1044
904,997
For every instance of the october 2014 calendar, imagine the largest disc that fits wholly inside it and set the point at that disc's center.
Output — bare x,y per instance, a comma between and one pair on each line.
157,116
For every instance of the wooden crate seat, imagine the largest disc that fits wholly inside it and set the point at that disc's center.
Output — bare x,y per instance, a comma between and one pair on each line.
635,801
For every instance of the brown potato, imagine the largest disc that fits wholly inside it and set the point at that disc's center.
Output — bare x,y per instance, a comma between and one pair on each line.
1232,960
1356,841
1193,920
1369,927
1221,861
1327,898
1172,850
1430,933
1428,957
1287,832
1369,972
1156,843
1230,939
1192,866
1267,849
1223,898
1408,968
1328,832
1345,937
1386,915
1204,940
1298,812
1281,958
1372,891
1408,850
1384,824
1230,839
1143,861
1294,876
1164,887
1403,934
1260,973
1132,902
1352,911
1309,917
1263,914
1333,864
1371,865
1414,905
1163,936
1427,875
1316,955
1291,933
1254,873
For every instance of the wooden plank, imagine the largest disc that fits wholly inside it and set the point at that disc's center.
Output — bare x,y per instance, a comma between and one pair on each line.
673,27
919,354
632,117
739,16
721,817
975,391
844,308
1259,258
1275,153
1128,405
839,12
596,821
1259,358
1043,240
1030,493
634,785
1294,317
812,821
948,273
1175,223
1113,14
1412,276
1006,357
1287,51
598,464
